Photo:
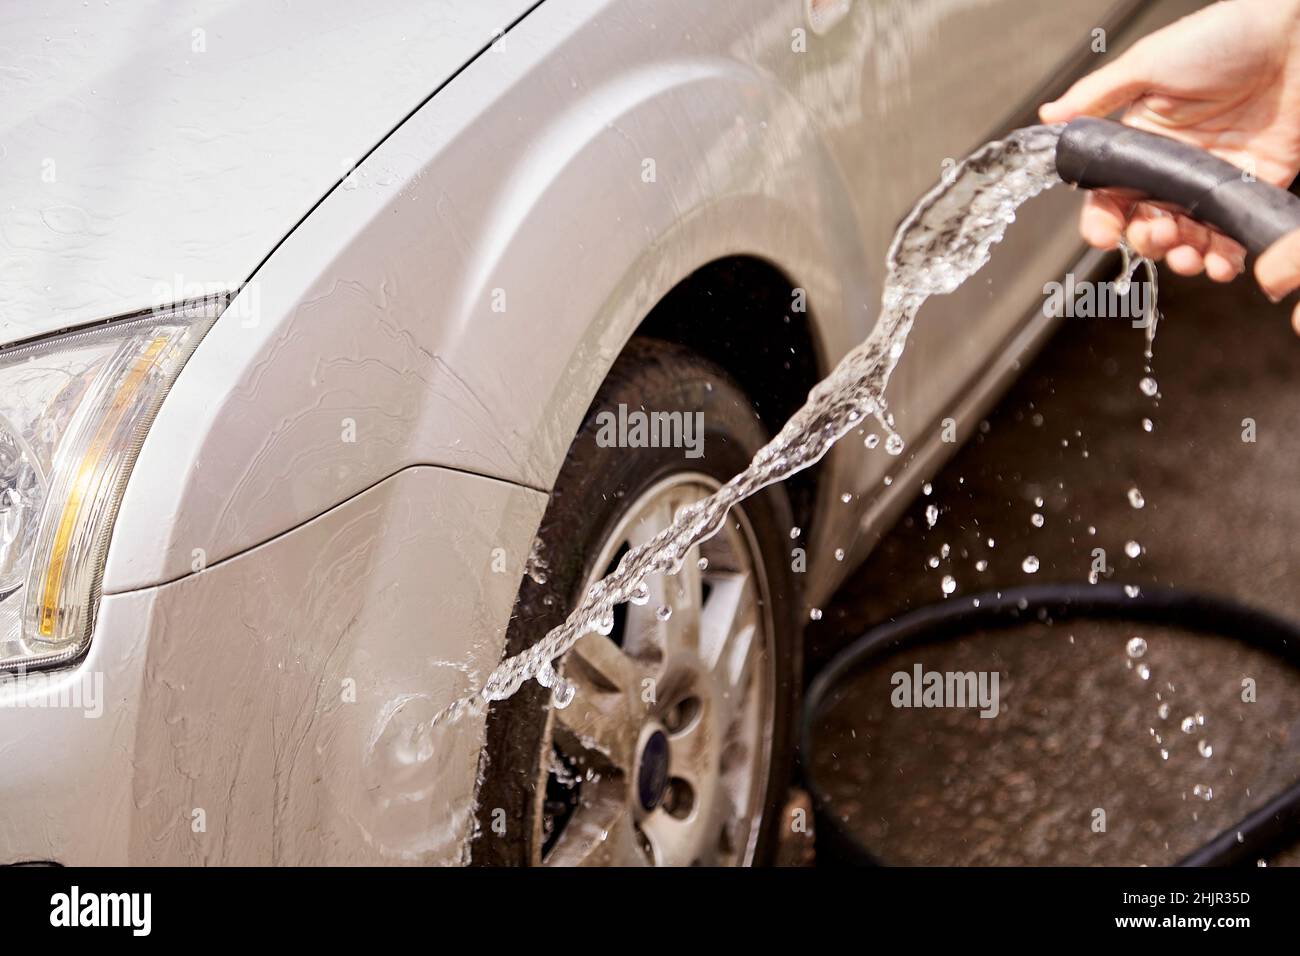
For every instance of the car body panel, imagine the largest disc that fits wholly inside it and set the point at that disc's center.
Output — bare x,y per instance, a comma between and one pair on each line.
169,147
66,785
275,708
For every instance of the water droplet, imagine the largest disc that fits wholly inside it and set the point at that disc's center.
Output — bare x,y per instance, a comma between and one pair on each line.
1135,498
872,440
641,594
894,444
1144,672
1136,647
562,694
1038,502
1163,711
1148,386
933,562
1132,549
815,613
926,488
1147,425
1164,754
931,515
981,565
703,564
1200,719
663,612
992,543
794,533
1205,748
1132,590
949,584
1029,565
1036,520
839,554
1188,724
1203,791
846,497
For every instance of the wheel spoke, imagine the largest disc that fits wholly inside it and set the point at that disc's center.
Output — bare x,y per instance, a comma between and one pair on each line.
680,633
597,722
601,716
726,818
601,833
690,750
603,663
728,626
653,518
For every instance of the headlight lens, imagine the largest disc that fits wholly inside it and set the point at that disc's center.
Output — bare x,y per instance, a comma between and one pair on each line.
74,411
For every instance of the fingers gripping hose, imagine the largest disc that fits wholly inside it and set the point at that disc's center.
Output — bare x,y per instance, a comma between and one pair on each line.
1103,154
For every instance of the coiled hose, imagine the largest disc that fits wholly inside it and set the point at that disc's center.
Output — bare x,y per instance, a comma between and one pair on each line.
1262,831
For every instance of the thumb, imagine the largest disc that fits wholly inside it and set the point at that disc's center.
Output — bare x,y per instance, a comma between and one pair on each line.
1278,268
1115,85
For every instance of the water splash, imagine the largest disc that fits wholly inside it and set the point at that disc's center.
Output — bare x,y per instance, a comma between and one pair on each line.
947,238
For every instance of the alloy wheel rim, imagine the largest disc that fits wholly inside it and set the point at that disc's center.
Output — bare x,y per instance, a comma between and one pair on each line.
662,758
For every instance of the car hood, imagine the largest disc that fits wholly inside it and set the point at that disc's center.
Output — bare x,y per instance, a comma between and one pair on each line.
149,150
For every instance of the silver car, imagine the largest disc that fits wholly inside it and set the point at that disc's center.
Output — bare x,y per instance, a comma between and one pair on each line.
343,348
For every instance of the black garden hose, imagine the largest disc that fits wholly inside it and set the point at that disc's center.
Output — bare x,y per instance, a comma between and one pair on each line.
1261,832
1103,154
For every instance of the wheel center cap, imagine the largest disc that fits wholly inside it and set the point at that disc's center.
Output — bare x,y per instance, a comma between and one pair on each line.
652,776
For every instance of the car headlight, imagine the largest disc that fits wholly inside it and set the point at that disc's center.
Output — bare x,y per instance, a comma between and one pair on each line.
74,410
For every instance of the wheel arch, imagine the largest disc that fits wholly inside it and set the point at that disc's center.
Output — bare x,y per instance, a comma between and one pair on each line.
754,328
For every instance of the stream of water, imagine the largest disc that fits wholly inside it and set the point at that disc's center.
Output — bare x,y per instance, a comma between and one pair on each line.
946,239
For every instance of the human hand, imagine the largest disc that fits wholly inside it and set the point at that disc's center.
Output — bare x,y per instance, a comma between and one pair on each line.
1226,79
1277,270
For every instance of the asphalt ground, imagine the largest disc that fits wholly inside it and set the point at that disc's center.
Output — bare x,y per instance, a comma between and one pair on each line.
1080,730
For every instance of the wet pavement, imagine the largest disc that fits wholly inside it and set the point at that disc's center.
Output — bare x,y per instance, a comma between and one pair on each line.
1081,730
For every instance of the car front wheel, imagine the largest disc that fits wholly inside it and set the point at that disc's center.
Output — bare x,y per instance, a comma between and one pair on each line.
675,749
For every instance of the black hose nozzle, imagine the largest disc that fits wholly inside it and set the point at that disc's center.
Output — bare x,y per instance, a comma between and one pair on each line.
1102,154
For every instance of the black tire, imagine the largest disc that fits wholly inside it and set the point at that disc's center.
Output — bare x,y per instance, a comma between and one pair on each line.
593,488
